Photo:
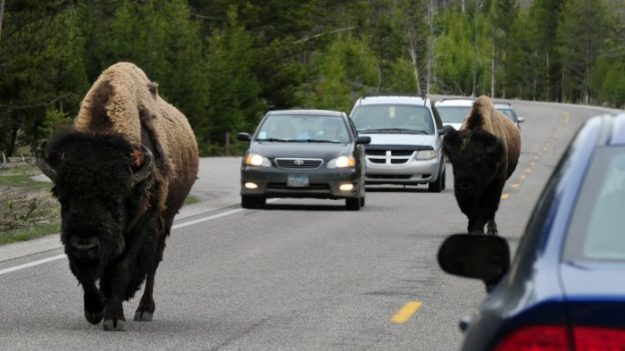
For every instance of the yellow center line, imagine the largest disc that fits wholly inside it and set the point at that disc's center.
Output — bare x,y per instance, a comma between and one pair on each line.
404,313
515,185
522,176
528,170
505,196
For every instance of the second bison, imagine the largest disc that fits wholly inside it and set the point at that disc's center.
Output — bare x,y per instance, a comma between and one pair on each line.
484,153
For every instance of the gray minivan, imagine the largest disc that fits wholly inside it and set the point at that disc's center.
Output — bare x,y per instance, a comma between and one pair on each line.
406,145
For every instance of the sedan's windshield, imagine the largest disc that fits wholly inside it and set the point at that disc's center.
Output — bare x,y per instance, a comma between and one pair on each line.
453,114
303,128
407,119
596,230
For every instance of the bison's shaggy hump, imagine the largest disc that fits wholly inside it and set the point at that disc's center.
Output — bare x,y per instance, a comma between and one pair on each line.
484,116
124,101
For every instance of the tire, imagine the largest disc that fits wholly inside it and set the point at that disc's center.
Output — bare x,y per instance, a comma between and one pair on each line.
439,184
250,201
362,201
353,203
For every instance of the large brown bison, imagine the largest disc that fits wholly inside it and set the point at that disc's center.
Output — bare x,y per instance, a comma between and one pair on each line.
484,153
121,173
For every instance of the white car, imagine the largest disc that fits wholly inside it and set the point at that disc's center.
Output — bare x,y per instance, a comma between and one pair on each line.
454,111
405,145
506,109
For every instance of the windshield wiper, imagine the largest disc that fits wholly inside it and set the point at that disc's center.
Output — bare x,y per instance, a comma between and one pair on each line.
393,130
277,140
318,141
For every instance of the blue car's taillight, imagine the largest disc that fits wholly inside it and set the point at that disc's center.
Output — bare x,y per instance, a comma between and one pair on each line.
557,338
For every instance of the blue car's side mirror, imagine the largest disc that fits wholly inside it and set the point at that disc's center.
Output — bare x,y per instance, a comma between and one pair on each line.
479,256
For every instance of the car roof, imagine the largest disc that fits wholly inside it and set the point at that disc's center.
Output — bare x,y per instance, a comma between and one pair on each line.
503,105
460,102
306,112
393,99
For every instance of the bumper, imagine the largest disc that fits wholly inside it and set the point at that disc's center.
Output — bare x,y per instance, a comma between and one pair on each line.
411,172
323,183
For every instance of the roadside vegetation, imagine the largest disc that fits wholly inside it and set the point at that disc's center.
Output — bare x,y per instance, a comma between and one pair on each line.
27,209
225,62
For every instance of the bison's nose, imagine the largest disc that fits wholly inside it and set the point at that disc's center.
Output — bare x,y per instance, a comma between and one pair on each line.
84,247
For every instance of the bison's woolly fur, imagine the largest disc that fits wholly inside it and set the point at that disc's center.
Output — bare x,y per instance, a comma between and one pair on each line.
484,116
121,101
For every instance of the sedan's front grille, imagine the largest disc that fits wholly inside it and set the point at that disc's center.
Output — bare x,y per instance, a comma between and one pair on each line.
299,163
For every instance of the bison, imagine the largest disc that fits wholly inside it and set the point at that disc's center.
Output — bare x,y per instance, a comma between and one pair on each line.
484,153
120,173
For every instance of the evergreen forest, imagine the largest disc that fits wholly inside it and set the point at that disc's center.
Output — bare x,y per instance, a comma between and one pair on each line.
224,63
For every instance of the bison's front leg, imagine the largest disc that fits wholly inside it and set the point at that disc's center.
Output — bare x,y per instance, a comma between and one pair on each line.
93,304
114,286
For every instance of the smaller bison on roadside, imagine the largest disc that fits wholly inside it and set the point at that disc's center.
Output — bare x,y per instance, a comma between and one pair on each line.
484,153
120,173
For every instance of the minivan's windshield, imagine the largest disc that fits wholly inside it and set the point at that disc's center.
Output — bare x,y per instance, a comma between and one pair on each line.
596,230
303,128
407,119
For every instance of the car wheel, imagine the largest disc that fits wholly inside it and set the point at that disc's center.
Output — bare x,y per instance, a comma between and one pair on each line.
439,184
353,203
362,201
249,201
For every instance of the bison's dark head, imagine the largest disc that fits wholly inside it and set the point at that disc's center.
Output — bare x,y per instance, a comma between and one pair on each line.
101,182
476,157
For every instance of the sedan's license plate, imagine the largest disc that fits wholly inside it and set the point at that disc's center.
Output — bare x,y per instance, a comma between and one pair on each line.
297,181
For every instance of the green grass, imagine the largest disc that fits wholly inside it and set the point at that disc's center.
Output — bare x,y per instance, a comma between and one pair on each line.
24,234
21,177
191,199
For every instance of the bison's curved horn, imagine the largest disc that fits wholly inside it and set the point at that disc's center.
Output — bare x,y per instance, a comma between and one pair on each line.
44,166
146,167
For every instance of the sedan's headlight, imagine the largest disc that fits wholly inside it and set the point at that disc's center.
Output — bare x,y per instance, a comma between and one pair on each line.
427,154
256,160
342,162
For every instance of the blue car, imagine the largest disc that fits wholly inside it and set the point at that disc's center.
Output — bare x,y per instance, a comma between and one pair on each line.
565,289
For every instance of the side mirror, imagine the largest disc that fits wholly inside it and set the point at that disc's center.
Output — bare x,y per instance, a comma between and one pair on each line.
520,119
244,137
479,256
363,140
441,131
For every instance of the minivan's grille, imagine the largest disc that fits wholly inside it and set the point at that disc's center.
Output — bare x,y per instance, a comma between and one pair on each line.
299,163
401,152
376,152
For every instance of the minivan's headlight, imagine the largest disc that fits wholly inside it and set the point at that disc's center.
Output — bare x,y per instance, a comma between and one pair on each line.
427,154
342,162
257,160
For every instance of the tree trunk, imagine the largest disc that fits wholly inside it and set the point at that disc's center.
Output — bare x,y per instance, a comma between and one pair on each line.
493,71
1,16
430,48
415,67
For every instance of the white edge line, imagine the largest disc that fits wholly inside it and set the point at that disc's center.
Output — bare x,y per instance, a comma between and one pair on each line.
31,264
58,257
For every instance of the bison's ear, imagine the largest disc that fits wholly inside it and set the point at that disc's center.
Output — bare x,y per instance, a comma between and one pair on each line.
153,88
451,140
143,163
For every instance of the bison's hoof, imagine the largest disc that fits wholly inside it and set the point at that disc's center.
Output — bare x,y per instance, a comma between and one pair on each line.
115,325
93,317
143,316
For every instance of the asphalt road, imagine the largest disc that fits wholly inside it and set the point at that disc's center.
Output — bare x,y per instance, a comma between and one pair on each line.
301,274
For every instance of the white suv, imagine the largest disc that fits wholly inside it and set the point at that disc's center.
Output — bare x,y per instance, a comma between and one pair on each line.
405,143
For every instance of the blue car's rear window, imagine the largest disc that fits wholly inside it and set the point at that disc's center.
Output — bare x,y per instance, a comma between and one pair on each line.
597,228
